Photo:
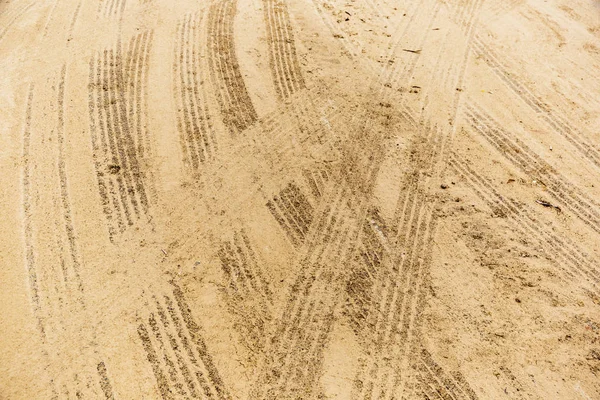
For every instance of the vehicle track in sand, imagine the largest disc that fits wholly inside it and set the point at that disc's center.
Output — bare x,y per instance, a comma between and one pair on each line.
252,199
237,110
119,137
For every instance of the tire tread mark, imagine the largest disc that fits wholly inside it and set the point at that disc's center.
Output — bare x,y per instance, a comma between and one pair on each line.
519,154
74,19
236,105
184,367
196,131
293,211
566,255
359,287
104,381
445,385
49,19
159,374
115,154
117,109
18,14
28,223
190,155
185,341
248,294
99,147
127,127
64,184
195,333
167,358
553,119
119,131
284,63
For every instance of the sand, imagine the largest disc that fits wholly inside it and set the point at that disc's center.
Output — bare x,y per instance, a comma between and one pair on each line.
300,199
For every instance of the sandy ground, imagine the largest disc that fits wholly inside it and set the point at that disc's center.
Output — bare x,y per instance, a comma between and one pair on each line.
300,199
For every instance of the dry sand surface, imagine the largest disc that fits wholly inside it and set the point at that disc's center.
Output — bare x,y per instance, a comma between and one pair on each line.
300,199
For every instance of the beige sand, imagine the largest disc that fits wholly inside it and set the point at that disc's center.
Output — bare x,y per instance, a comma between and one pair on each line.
300,199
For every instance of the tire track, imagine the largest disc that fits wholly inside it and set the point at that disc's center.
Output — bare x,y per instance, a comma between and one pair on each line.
554,120
272,140
177,352
74,20
68,228
53,260
49,18
106,186
119,137
298,345
111,8
433,382
294,352
134,113
159,374
285,68
396,298
193,117
520,155
175,374
237,110
248,294
63,237
28,224
359,288
316,180
572,262
293,212
141,98
296,349
15,18
105,382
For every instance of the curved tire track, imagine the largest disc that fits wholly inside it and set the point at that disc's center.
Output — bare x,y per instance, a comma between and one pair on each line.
120,143
237,110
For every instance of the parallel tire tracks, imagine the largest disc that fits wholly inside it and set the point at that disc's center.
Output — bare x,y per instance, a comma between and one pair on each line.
111,8
293,212
247,292
572,262
193,117
285,68
554,120
120,142
14,17
387,311
52,254
176,350
523,157
237,110
296,348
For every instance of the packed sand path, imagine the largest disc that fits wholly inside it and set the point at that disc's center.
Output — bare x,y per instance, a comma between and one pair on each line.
300,199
